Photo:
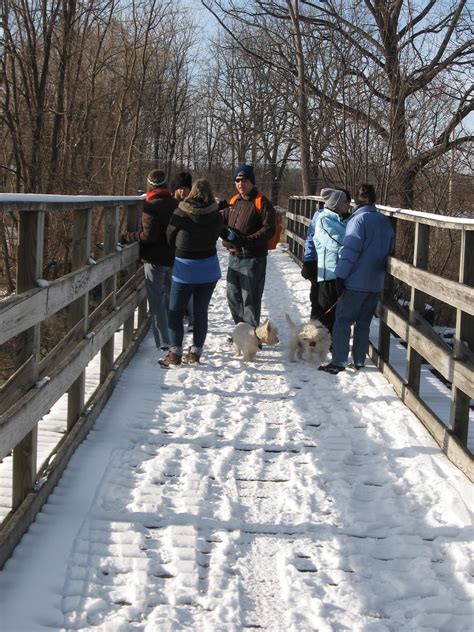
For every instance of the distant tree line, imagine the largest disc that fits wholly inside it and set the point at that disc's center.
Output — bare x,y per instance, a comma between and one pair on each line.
95,92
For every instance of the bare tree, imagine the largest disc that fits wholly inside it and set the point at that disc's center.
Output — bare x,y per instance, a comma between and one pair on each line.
273,34
392,51
28,30
413,49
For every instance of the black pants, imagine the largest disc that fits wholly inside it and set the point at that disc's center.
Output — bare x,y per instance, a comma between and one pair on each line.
313,297
327,299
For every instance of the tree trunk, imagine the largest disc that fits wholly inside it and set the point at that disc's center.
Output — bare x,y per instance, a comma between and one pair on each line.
302,99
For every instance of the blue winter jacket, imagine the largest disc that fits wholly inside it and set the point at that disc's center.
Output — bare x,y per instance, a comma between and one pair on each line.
328,237
368,242
309,248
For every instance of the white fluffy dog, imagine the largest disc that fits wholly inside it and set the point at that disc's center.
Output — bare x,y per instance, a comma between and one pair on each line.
247,339
311,340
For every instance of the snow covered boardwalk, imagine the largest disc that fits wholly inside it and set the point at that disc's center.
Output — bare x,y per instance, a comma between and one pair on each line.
236,497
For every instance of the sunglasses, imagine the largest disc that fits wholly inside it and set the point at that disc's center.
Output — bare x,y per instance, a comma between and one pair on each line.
241,180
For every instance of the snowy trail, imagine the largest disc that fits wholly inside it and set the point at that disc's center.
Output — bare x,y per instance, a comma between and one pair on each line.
236,496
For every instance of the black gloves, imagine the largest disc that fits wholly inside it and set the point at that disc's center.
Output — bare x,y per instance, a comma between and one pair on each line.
309,270
222,204
340,285
122,240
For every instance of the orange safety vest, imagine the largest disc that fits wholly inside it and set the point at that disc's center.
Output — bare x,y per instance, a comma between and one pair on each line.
275,240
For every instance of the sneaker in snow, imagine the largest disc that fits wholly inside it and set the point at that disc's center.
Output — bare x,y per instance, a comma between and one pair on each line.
191,357
171,360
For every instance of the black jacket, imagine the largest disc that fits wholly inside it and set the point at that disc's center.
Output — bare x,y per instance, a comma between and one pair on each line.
194,229
156,214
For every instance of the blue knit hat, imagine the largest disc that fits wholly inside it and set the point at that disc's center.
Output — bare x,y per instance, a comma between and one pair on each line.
245,171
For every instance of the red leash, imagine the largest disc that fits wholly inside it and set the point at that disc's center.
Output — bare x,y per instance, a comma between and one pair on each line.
332,307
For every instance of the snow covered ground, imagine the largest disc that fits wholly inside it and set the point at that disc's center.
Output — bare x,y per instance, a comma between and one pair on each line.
234,496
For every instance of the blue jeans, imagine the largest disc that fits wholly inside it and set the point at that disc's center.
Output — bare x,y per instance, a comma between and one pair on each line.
179,298
245,283
190,311
353,307
158,284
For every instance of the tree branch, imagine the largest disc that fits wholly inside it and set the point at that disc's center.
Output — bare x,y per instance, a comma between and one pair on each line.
413,22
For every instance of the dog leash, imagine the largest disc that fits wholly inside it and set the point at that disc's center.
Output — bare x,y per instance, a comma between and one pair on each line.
331,308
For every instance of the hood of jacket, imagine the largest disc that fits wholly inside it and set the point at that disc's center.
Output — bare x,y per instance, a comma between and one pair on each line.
197,208
157,193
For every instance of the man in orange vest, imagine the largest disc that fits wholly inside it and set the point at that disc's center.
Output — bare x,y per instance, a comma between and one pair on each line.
250,221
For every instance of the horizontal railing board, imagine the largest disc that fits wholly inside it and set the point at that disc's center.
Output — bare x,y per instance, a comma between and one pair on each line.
19,313
16,524
450,292
298,218
458,372
295,237
73,337
51,203
18,384
428,219
450,445
105,305
26,412
431,219
23,379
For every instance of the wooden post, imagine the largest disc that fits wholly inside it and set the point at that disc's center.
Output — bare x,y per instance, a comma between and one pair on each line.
299,227
79,309
464,336
111,225
290,224
384,331
417,303
128,327
29,268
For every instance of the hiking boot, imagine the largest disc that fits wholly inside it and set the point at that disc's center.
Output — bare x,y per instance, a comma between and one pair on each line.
191,357
331,368
172,359
355,367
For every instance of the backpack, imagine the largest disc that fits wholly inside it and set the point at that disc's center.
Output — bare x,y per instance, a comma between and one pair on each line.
273,242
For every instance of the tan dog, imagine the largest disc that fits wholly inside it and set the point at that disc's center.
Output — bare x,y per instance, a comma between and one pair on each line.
310,341
247,339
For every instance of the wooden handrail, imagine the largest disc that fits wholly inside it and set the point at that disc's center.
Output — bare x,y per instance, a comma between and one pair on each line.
39,382
409,215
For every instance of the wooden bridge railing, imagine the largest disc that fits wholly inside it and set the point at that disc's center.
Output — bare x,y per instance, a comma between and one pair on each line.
38,382
455,365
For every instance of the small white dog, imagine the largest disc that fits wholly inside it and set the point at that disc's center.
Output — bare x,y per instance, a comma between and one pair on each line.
311,340
247,339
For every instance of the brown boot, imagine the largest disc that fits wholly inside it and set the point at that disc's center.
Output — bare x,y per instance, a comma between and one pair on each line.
171,360
191,357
